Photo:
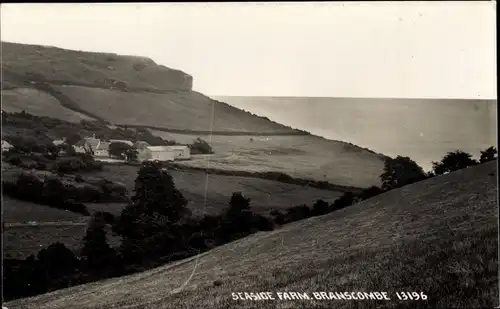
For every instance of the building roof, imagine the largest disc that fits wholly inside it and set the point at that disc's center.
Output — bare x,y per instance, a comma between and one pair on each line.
121,141
177,147
92,142
141,144
6,144
58,142
102,146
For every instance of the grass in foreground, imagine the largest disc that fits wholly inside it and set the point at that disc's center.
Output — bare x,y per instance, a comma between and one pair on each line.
438,236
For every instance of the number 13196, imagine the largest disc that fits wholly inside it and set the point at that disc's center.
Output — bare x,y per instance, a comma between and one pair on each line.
411,296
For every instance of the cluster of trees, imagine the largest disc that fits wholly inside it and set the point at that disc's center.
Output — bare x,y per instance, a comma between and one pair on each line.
123,151
55,192
402,171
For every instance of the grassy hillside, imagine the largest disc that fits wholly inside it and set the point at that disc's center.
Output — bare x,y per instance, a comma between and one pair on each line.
438,236
309,157
38,103
23,62
177,110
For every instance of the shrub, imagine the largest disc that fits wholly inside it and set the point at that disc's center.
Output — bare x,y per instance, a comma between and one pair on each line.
200,146
297,213
347,199
278,217
320,207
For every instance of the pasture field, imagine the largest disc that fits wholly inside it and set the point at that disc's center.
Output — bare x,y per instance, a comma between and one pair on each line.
24,240
438,236
309,157
210,194
181,110
38,103
17,211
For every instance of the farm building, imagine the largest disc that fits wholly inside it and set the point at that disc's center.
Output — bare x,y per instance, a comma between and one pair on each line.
6,146
58,142
157,153
181,152
101,150
121,141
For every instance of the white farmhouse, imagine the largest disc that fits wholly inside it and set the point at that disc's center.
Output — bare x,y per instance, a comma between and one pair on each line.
6,146
101,150
181,152
121,141
158,153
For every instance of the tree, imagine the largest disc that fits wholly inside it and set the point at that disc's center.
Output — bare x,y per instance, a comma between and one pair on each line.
320,207
72,138
200,146
97,253
453,161
118,149
488,154
400,171
131,155
149,226
238,203
57,260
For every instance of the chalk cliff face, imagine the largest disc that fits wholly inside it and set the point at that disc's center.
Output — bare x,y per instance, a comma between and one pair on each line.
100,70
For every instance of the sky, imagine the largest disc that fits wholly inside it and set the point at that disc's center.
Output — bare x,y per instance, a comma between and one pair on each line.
356,49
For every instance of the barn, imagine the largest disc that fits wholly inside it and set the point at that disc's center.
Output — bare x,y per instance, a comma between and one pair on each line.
180,152
158,153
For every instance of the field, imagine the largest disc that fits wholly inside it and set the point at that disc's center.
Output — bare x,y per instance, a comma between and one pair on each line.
205,193
38,103
179,110
16,211
308,157
211,193
438,237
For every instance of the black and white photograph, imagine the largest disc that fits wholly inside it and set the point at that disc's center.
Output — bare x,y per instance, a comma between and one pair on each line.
249,155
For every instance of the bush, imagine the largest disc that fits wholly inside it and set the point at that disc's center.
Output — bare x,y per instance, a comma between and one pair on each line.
297,213
347,199
320,207
200,146
278,217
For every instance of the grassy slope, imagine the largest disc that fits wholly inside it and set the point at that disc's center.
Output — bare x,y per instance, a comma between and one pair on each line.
21,62
159,97
38,103
438,236
299,156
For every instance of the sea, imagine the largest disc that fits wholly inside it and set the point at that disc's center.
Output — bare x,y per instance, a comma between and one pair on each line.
422,129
